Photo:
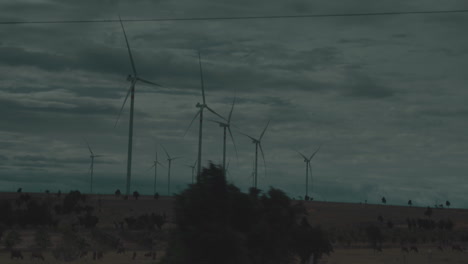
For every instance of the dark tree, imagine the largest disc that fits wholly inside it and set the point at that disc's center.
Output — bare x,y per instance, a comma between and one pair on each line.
410,203
380,218
428,212
384,201
447,203
19,190
59,193
217,223
375,236
389,224
156,196
310,242
136,195
117,193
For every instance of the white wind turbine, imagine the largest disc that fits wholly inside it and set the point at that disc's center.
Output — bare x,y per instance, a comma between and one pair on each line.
91,168
308,168
155,166
169,161
258,144
227,126
133,79
200,113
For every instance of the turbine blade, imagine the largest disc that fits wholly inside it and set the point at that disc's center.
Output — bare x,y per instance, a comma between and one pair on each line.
148,82
214,121
195,164
177,158
301,154
201,78
233,143
151,167
214,112
315,152
128,47
165,151
97,156
195,117
88,146
247,136
264,131
125,100
232,108
160,164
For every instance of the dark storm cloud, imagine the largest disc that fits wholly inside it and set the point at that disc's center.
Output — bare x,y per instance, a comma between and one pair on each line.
381,93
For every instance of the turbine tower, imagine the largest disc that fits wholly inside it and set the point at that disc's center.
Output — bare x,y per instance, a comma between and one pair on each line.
200,113
227,126
91,168
308,168
193,170
155,166
169,161
133,79
258,144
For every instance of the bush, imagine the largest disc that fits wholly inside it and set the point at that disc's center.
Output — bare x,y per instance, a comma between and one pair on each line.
42,239
11,239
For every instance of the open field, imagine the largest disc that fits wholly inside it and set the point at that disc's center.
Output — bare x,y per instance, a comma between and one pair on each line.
340,219
340,256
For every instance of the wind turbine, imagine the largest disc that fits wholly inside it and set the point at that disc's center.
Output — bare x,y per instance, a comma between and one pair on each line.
92,156
308,168
133,79
200,113
155,166
258,144
227,126
193,169
169,161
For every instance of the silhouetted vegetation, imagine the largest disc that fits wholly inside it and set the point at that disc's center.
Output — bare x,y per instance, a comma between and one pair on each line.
375,237
70,247
136,195
428,212
410,203
11,239
117,193
145,221
42,239
217,223
384,201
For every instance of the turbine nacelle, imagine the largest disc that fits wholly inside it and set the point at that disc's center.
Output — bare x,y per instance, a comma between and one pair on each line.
198,105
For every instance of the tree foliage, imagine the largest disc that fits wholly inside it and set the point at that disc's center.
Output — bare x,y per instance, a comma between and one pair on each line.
217,223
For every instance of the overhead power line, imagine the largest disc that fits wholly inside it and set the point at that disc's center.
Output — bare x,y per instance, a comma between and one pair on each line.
234,17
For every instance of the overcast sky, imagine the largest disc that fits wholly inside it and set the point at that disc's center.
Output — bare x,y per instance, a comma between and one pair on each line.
384,95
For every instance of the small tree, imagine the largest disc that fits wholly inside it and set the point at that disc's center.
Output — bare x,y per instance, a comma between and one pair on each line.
42,239
384,201
156,196
375,236
447,203
428,212
11,239
136,195
117,193
410,203
19,190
